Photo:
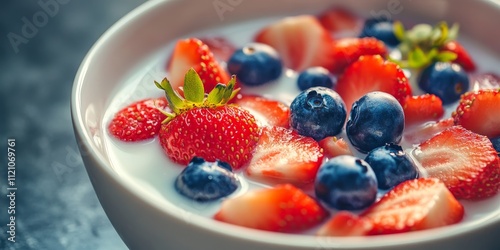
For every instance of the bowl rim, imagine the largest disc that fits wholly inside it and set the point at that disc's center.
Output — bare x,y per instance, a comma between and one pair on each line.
223,229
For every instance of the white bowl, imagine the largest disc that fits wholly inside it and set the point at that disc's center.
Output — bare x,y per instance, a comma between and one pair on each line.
145,223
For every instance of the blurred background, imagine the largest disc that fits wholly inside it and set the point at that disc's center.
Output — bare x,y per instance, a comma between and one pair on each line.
42,43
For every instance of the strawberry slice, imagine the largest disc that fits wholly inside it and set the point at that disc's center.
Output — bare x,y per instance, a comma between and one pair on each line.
422,108
463,57
283,208
424,132
193,53
476,112
338,21
348,50
372,73
346,224
414,205
283,156
333,146
301,42
138,121
465,161
267,112
220,47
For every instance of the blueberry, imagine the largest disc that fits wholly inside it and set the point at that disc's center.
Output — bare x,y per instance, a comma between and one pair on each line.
391,165
376,118
496,143
318,112
382,29
346,183
206,181
255,64
315,77
446,80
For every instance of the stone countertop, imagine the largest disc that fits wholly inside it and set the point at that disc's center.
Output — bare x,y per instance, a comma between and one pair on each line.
41,46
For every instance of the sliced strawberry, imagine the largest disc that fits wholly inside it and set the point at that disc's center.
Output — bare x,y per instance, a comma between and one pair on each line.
267,112
283,156
348,50
465,161
283,208
333,146
478,112
220,47
193,53
346,224
414,205
138,121
338,21
372,73
301,42
463,57
422,108
426,131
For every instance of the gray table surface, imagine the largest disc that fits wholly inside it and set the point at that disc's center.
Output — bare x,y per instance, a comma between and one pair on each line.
41,47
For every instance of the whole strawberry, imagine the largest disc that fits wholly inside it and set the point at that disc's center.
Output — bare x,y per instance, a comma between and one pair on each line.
205,125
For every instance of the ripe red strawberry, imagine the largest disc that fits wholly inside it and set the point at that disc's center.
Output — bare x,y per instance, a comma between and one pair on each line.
414,205
478,112
463,57
301,42
138,121
205,126
422,108
333,146
346,224
283,208
338,21
220,47
426,131
283,156
372,73
193,53
266,111
348,50
465,161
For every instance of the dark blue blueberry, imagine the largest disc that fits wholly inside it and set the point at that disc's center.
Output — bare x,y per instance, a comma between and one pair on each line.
346,183
446,80
382,29
391,165
315,77
206,181
496,143
255,64
318,112
376,118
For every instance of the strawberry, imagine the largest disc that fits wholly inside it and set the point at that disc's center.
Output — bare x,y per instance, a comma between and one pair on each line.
372,73
301,42
463,57
283,156
283,208
333,146
414,205
138,121
266,111
193,53
426,131
205,126
465,161
348,50
422,108
345,224
220,47
338,21
477,111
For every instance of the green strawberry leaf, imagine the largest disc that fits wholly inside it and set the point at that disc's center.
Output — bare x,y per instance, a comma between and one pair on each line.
215,96
194,90
446,56
175,102
399,30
